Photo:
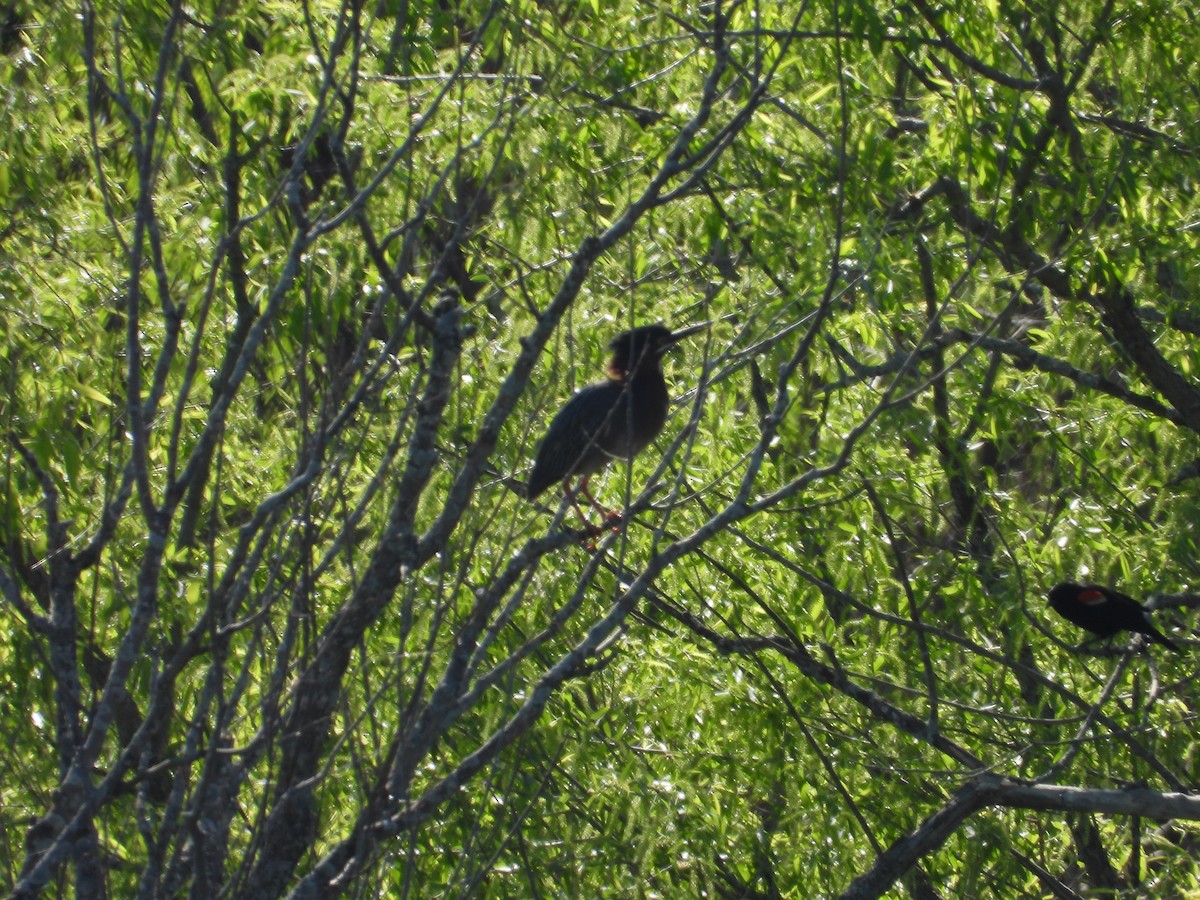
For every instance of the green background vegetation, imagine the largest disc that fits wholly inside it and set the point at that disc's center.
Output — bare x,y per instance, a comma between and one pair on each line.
290,291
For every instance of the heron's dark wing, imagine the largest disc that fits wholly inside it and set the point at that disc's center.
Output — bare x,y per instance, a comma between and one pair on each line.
570,445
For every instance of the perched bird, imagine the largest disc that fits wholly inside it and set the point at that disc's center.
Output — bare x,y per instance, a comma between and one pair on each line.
615,419
1104,611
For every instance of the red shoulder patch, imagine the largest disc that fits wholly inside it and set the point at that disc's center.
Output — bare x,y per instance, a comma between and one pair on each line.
1092,597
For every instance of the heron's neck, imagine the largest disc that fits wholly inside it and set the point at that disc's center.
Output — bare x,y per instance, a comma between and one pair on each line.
648,371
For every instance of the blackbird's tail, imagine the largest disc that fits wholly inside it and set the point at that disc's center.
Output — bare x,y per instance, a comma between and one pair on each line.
1158,637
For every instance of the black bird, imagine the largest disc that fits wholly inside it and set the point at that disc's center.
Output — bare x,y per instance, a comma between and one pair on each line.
615,419
1104,611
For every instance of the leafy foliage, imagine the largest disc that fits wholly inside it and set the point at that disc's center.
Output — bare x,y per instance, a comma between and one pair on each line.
290,293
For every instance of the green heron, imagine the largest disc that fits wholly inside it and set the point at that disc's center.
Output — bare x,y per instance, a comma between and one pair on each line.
1103,611
615,419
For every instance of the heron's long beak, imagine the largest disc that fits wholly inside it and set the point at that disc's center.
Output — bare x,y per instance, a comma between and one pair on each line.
678,336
